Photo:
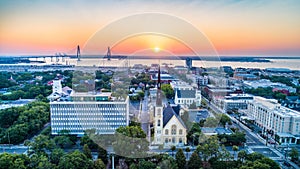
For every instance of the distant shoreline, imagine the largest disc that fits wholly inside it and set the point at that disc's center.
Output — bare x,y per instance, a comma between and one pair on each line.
256,59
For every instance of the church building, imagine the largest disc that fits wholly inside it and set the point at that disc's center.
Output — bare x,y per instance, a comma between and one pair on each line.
169,129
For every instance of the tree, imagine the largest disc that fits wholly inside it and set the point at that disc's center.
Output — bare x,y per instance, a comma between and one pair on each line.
23,122
259,165
87,140
56,155
41,144
143,164
195,161
254,156
44,163
180,159
13,161
102,154
131,142
133,166
63,141
168,91
98,164
242,155
194,133
269,162
225,154
211,122
75,160
235,149
168,163
224,119
187,150
294,154
87,151
173,148
237,138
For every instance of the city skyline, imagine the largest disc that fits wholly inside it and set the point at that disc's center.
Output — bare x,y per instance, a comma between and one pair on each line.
233,27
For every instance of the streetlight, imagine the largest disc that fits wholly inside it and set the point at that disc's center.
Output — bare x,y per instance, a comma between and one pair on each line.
112,159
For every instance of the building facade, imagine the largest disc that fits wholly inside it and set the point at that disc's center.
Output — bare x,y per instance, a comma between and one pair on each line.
201,80
282,122
169,129
234,102
82,111
185,94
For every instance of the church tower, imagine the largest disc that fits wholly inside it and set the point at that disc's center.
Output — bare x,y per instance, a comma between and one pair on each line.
158,114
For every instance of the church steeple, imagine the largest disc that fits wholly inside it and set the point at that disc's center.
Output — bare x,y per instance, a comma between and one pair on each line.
159,95
158,78
158,112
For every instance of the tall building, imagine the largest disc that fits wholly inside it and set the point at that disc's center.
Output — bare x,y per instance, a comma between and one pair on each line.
77,112
169,129
282,122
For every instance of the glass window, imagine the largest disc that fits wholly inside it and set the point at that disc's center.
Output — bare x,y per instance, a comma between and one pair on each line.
173,130
166,132
180,131
173,140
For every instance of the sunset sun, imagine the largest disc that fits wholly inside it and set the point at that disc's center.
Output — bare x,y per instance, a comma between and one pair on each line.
156,49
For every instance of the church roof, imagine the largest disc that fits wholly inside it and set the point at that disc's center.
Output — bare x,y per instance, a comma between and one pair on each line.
186,93
168,113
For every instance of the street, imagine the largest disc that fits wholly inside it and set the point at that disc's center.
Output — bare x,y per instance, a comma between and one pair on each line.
144,116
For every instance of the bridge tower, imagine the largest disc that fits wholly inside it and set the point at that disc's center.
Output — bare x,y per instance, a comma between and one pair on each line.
108,54
78,53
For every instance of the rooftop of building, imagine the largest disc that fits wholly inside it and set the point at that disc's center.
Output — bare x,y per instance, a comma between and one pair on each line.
186,93
168,113
80,94
269,103
274,105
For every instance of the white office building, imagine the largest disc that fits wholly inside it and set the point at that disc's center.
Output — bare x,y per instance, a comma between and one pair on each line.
271,116
81,111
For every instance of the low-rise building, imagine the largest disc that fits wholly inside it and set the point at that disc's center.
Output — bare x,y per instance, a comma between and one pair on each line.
235,102
201,80
185,94
211,91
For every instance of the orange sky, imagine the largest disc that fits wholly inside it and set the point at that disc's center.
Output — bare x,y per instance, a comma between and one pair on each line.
234,27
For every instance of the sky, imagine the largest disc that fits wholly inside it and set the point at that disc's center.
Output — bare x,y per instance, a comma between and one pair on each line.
233,27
